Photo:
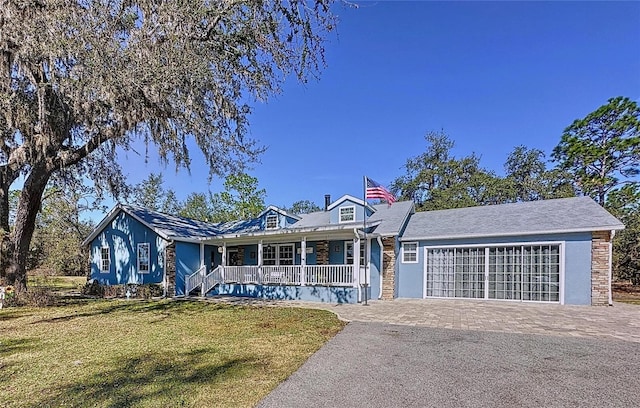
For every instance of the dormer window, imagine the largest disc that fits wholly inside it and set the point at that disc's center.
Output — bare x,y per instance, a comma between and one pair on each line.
272,222
347,214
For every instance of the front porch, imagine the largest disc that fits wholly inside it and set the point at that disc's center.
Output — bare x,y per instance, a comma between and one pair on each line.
334,270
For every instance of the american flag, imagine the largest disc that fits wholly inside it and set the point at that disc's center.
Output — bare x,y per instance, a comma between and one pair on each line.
376,190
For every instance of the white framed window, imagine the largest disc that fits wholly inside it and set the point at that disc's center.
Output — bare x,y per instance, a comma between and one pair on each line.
348,253
105,260
409,252
143,257
347,214
509,271
279,254
272,222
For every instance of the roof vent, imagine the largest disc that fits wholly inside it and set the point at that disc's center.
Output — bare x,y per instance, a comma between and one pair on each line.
327,201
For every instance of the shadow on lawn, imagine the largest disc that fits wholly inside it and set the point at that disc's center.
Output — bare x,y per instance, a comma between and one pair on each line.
152,379
161,307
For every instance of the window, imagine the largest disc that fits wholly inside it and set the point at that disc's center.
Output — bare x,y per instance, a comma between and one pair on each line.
272,222
269,255
409,252
143,258
348,253
105,260
529,272
277,255
347,214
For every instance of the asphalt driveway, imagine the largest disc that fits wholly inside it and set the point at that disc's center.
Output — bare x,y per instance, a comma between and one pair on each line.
372,364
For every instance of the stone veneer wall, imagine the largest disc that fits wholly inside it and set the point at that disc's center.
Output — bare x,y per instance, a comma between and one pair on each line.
170,269
388,268
322,255
600,268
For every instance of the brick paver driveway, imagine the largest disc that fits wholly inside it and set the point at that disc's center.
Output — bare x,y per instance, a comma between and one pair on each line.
621,321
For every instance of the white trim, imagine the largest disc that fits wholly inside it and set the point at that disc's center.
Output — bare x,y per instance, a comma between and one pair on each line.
511,234
108,270
345,252
148,250
349,207
497,244
561,277
402,260
266,222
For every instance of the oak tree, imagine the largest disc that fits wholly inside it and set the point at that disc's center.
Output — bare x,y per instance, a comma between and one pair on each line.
83,81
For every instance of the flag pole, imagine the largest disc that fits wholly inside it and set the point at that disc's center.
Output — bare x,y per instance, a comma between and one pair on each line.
364,229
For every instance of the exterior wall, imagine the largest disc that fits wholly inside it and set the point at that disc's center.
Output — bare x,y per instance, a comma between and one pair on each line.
250,255
187,262
336,252
577,271
306,293
122,236
311,258
600,268
390,287
283,220
374,272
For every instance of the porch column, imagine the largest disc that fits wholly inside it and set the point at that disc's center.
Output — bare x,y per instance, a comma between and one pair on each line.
260,261
303,261
203,271
224,258
356,262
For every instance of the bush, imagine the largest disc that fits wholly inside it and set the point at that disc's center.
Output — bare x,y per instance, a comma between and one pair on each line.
34,297
146,291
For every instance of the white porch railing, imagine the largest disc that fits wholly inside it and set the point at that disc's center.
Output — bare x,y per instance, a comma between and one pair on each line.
330,275
309,275
211,280
194,280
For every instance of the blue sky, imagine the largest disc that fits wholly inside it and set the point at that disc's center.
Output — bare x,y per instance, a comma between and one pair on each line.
493,75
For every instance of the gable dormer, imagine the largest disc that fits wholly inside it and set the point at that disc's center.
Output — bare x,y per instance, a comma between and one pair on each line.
348,209
274,218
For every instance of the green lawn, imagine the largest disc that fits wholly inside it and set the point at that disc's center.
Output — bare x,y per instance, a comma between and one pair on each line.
62,284
153,354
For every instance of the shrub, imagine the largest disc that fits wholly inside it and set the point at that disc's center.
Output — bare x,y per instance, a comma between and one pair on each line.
146,291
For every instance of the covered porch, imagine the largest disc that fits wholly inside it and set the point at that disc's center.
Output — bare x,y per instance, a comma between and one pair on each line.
273,264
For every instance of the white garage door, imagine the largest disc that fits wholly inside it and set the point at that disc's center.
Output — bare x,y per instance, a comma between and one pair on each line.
529,272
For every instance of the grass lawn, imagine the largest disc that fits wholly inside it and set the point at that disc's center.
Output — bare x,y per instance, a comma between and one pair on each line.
61,284
153,353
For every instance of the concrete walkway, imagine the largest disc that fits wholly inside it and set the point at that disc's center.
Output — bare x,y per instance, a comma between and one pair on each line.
621,321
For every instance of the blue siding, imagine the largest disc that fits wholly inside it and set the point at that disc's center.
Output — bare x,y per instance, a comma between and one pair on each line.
374,274
248,251
577,281
187,262
336,252
306,293
122,237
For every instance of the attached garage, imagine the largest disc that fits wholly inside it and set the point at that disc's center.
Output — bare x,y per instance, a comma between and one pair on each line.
552,251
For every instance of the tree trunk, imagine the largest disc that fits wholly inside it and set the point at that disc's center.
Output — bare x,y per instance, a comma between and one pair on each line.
28,207
5,240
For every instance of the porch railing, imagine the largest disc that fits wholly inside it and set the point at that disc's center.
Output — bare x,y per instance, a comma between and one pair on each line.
329,275
309,275
194,280
211,280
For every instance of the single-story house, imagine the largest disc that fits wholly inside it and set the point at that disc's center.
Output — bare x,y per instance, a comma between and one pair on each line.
555,251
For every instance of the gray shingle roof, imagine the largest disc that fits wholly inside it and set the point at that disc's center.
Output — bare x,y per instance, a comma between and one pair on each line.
535,217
